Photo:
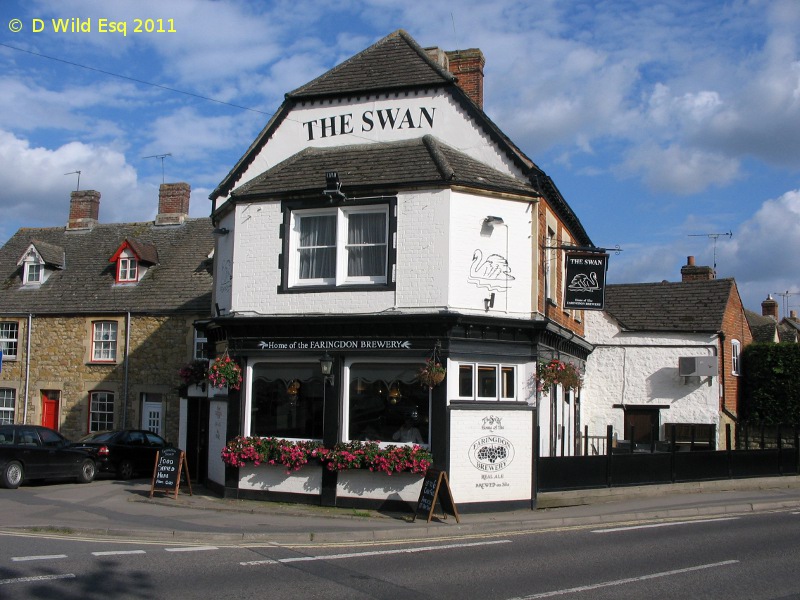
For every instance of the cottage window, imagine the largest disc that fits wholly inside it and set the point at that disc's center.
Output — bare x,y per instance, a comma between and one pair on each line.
386,403
287,400
34,272
104,341
101,411
736,347
7,405
127,270
487,381
339,246
9,335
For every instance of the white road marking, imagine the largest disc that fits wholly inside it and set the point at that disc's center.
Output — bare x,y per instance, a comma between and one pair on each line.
371,553
117,552
669,524
37,578
191,549
43,557
588,588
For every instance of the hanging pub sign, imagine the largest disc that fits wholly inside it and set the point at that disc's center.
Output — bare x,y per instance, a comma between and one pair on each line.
586,280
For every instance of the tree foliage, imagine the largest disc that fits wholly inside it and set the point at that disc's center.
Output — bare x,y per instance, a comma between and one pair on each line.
772,383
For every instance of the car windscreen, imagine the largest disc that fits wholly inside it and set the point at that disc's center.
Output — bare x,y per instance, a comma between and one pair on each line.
103,436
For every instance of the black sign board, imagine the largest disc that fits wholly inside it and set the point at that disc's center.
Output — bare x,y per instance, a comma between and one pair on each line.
585,281
435,487
170,466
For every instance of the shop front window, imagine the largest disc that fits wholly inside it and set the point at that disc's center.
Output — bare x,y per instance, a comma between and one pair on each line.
287,400
388,404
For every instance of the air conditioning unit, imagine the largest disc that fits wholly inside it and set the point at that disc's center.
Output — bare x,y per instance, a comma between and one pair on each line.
698,366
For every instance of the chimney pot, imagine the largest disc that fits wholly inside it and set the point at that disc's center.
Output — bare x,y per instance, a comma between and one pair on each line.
690,261
173,203
769,308
84,209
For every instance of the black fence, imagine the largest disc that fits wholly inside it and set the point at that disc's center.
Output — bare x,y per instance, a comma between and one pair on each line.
769,452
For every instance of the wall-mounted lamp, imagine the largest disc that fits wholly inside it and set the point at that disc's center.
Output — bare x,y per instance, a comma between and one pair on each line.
221,231
489,302
333,187
326,366
394,393
490,220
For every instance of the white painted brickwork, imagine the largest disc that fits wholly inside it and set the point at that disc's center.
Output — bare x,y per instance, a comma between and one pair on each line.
631,368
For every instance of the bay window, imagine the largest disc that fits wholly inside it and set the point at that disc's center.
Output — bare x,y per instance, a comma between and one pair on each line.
339,246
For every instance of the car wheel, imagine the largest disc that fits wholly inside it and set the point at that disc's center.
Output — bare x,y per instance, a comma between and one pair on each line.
87,472
125,469
13,474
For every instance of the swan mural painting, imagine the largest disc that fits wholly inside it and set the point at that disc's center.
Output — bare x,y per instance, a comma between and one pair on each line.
586,274
492,272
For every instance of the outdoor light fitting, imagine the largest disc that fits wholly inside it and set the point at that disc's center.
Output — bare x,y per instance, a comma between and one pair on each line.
326,366
221,231
490,220
333,187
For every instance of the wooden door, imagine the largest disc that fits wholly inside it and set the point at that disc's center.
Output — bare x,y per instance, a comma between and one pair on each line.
50,401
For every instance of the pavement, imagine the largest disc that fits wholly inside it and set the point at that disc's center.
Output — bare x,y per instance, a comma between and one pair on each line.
124,510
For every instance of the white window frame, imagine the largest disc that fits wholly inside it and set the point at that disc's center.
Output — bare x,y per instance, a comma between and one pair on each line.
34,273
101,410
200,346
127,269
736,353
341,277
501,393
8,405
9,339
104,341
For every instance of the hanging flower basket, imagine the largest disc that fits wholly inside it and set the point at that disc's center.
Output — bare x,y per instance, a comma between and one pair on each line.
194,373
225,373
431,374
559,373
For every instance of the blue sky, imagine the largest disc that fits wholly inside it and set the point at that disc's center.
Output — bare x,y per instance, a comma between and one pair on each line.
660,122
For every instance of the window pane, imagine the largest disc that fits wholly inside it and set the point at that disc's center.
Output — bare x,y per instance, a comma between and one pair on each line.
487,381
9,332
465,373
507,382
387,404
287,400
34,274
317,247
105,341
7,397
101,411
366,244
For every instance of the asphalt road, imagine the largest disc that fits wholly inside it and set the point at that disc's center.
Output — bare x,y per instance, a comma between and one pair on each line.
752,556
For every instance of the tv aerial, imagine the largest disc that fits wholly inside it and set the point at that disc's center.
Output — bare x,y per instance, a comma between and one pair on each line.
715,237
162,157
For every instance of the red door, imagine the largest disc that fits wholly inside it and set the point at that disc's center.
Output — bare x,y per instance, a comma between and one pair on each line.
50,401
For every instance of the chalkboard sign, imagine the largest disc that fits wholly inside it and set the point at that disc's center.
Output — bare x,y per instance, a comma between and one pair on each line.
170,465
435,487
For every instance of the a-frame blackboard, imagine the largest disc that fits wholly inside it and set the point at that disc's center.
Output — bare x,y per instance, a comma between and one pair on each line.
170,465
435,487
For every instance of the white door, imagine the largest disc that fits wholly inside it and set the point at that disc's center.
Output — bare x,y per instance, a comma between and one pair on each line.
151,416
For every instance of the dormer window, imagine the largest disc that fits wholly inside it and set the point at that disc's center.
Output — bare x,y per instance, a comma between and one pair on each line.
127,270
132,260
39,261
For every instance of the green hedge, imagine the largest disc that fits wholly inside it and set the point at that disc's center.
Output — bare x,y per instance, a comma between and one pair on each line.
771,383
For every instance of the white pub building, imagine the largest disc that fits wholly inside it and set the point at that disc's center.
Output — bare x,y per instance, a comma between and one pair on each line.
380,219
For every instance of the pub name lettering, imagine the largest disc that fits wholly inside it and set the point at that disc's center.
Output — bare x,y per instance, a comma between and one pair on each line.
383,119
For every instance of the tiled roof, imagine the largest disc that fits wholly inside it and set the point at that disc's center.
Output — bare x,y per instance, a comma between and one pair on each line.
396,61
763,328
691,306
146,252
51,254
367,167
181,282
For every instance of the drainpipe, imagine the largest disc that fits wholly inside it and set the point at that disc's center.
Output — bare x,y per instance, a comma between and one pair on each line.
125,379
27,369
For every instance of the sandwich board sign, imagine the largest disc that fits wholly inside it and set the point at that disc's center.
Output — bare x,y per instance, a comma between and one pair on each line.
170,465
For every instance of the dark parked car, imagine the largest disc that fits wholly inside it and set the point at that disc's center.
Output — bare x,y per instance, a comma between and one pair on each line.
124,452
34,452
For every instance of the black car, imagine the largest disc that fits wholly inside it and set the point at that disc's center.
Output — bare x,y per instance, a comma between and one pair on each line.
124,452
30,452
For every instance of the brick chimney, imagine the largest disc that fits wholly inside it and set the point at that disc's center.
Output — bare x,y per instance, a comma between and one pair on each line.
173,203
769,308
793,315
467,66
690,272
84,209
